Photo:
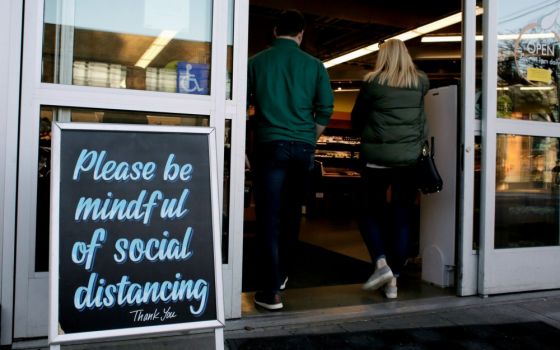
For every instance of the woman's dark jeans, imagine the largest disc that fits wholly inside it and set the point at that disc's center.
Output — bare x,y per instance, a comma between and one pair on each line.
282,172
385,227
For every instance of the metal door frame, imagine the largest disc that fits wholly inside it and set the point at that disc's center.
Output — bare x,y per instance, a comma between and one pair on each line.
11,16
467,257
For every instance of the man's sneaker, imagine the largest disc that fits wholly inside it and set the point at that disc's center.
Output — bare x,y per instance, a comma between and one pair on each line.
268,301
283,285
390,291
378,278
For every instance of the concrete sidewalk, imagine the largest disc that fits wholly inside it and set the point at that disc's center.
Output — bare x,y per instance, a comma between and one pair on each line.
524,320
509,321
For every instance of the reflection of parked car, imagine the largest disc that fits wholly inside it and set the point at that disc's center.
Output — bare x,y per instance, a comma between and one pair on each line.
45,129
527,218
44,161
43,205
556,173
124,117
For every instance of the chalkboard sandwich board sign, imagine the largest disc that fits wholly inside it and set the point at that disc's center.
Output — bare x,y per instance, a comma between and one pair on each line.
134,231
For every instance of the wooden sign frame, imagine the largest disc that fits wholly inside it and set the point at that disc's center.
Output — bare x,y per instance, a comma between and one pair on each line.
56,337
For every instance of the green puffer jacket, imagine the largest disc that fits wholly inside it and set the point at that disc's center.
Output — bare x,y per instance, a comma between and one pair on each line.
391,122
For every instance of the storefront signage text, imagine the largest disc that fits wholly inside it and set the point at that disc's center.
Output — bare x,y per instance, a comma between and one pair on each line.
98,293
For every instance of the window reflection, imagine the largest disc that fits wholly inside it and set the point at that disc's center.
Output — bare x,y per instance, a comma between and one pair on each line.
155,45
226,192
229,67
477,187
527,191
528,60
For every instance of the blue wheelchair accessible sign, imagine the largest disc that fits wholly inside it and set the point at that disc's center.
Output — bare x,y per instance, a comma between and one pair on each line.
192,78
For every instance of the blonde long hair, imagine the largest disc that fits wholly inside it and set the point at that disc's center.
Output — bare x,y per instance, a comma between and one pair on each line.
394,66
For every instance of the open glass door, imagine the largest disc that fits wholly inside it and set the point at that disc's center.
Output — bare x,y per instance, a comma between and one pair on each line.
467,254
521,147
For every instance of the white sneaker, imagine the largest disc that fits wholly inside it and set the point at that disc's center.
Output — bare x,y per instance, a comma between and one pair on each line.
380,277
390,291
283,285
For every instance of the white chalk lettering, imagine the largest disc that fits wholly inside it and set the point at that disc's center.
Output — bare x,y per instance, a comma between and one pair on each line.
140,315
111,170
84,254
141,208
98,293
154,249
173,172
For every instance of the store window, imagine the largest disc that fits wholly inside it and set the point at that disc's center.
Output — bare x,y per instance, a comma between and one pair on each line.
154,45
528,60
49,114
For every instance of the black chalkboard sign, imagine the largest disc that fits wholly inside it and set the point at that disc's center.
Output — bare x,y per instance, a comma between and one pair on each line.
134,231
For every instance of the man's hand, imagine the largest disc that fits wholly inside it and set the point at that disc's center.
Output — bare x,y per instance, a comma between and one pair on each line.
319,130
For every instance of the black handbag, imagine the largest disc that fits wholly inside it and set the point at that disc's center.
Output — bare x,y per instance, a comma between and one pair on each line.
429,179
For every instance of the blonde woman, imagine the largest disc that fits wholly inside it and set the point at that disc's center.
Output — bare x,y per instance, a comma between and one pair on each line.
389,115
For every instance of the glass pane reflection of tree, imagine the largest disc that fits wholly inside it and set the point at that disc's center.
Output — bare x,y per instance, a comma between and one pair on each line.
528,60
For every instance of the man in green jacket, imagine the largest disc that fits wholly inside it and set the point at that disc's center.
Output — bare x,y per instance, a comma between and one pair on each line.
293,102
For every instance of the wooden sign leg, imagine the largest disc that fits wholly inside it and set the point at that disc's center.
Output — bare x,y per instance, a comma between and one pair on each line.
219,336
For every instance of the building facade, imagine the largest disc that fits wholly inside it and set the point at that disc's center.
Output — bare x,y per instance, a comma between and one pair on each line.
185,64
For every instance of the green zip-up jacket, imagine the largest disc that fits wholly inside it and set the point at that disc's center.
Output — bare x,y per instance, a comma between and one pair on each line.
391,122
291,92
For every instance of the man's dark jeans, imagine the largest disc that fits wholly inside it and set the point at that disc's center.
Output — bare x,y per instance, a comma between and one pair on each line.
282,172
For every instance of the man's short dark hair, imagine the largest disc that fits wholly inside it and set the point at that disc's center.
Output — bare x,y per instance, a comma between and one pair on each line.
290,23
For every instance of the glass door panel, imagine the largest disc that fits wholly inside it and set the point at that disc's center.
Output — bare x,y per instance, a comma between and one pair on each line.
527,192
520,151
149,45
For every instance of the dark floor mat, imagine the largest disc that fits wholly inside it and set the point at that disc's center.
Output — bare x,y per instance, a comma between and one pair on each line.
529,335
314,267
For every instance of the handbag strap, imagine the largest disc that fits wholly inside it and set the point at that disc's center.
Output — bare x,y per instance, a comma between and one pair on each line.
426,148
432,146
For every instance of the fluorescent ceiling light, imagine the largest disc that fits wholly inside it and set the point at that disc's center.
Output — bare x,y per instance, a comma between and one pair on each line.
339,89
161,41
352,55
457,38
502,88
526,36
536,87
446,38
422,30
